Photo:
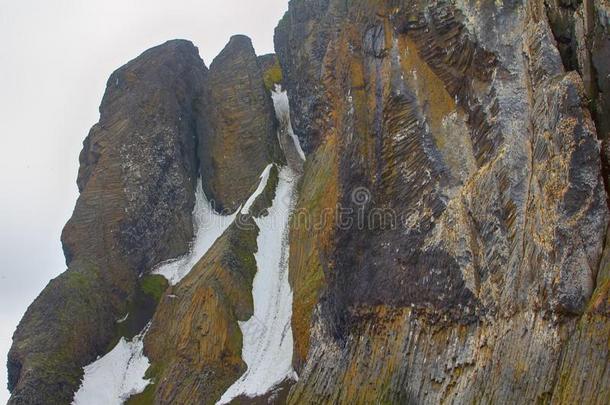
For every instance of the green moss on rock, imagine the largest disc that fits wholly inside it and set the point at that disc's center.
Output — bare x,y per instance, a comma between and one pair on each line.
272,76
272,72
78,294
154,286
147,397
141,307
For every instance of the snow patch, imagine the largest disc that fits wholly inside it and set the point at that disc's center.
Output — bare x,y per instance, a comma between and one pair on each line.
261,187
267,335
123,319
209,226
113,378
282,112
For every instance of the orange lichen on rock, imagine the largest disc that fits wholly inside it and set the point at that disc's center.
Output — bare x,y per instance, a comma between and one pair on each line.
311,233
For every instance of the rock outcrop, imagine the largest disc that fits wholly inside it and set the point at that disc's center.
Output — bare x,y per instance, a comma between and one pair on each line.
242,136
464,155
164,122
449,240
138,170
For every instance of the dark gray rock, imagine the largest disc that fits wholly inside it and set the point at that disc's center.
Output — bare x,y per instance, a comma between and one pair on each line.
137,177
241,137
466,124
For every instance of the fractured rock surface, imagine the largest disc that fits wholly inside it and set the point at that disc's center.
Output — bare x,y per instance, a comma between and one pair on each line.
449,240
138,170
462,124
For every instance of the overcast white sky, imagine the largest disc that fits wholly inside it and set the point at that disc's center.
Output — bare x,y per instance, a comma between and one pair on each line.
55,58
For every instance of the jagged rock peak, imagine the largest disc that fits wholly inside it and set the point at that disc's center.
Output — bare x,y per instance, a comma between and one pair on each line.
241,135
454,247
136,179
237,44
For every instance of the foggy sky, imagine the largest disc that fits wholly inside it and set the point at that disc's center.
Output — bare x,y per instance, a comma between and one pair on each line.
55,58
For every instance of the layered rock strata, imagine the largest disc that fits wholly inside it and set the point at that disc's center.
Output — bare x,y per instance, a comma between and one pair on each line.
163,121
449,240
465,154
138,169
242,131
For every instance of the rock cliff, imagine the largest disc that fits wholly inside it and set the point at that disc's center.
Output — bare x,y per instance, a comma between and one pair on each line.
163,119
448,227
138,169
242,137
470,150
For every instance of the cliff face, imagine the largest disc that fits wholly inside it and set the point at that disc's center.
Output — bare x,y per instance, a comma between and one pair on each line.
469,152
163,121
138,169
448,232
242,137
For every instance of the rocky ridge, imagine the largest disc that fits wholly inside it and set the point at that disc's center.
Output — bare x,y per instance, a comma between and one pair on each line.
139,168
449,240
464,125
242,136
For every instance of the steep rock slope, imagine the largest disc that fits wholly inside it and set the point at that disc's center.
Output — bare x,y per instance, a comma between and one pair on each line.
138,170
210,338
165,121
241,137
464,153
195,342
449,239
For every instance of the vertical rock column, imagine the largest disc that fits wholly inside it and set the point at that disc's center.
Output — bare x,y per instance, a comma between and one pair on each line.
136,181
241,139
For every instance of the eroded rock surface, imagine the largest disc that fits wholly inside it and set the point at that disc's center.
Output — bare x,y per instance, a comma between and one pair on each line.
469,149
242,131
138,170
449,240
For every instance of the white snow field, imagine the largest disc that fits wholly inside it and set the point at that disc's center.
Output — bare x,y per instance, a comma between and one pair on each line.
209,226
261,187
282,112
267,335
113,378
